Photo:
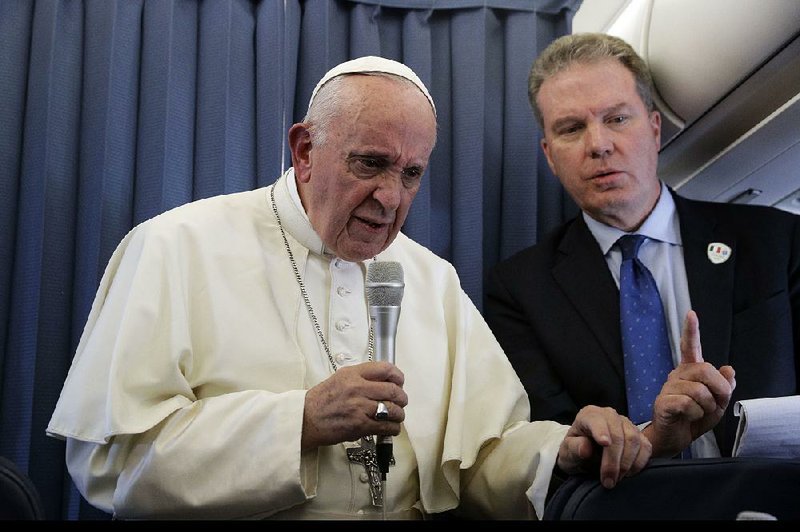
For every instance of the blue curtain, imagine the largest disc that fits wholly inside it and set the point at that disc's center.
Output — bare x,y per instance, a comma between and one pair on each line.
112,111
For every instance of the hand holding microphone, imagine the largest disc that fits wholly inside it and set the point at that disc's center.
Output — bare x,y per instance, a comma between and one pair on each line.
384,288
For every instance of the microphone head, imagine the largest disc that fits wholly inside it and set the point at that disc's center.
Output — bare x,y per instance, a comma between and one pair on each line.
384,285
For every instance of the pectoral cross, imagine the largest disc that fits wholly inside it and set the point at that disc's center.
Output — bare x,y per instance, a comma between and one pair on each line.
365,455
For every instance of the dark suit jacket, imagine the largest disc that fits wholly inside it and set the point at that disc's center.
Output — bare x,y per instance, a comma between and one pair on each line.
554,308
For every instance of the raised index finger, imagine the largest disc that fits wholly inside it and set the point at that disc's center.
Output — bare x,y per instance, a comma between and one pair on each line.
691,351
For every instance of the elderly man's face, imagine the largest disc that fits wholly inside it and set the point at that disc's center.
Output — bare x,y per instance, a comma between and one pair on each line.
358,185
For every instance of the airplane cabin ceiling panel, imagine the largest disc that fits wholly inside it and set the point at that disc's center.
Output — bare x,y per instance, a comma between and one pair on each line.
699,51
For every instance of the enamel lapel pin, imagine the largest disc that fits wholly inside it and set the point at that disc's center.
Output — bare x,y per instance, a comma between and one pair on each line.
718,252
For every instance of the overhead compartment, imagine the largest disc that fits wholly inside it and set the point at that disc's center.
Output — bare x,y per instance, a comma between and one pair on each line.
727,79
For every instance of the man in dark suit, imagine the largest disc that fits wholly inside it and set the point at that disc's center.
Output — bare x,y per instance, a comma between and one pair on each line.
734,269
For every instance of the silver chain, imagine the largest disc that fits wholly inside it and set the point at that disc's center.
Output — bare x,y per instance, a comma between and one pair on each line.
304,293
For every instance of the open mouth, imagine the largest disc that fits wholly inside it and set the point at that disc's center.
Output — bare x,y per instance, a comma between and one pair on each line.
368,223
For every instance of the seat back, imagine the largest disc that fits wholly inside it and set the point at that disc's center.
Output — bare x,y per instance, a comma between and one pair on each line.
700,489
19,499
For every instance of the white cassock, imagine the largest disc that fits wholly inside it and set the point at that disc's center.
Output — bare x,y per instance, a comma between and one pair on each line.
185,397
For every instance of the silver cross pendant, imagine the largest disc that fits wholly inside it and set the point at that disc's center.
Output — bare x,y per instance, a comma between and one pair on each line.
365,455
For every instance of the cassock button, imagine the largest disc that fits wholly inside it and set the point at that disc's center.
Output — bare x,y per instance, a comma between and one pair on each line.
363,477
342,291
342,325
343,358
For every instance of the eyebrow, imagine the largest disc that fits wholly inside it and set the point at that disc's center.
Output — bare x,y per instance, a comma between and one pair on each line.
373,154
382,157
608,110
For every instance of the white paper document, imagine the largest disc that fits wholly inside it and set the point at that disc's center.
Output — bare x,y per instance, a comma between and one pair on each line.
768,427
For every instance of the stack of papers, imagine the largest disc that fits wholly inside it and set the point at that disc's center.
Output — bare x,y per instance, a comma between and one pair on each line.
768,427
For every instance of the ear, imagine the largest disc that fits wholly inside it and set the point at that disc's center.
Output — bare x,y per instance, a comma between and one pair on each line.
546,150
655,123
300,146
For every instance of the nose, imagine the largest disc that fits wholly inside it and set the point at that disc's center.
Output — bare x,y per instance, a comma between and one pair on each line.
389,191
598,141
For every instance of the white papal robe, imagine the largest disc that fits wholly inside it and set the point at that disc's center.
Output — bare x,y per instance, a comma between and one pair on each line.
185,396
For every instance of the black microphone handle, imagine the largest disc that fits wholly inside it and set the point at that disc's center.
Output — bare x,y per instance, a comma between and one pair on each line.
383,454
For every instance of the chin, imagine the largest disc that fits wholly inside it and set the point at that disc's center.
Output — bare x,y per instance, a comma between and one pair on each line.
358,255
365,250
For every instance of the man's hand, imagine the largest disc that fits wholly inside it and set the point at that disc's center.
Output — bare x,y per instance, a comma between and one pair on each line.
693,399
600,435
342,407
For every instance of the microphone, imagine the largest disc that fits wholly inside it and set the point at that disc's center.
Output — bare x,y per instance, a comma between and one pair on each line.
384,287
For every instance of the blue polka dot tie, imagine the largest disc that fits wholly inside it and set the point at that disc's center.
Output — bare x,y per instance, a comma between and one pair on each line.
645,343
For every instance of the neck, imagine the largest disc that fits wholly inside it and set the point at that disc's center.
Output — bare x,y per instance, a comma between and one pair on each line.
304,293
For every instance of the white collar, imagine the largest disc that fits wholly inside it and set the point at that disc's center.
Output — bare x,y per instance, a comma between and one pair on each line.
293,217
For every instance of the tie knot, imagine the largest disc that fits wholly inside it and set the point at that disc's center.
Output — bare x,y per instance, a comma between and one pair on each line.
629,245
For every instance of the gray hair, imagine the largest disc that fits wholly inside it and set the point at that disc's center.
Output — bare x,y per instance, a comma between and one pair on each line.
329,101
587,48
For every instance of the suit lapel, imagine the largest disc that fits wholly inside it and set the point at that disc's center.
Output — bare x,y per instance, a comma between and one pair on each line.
583,275
710,285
